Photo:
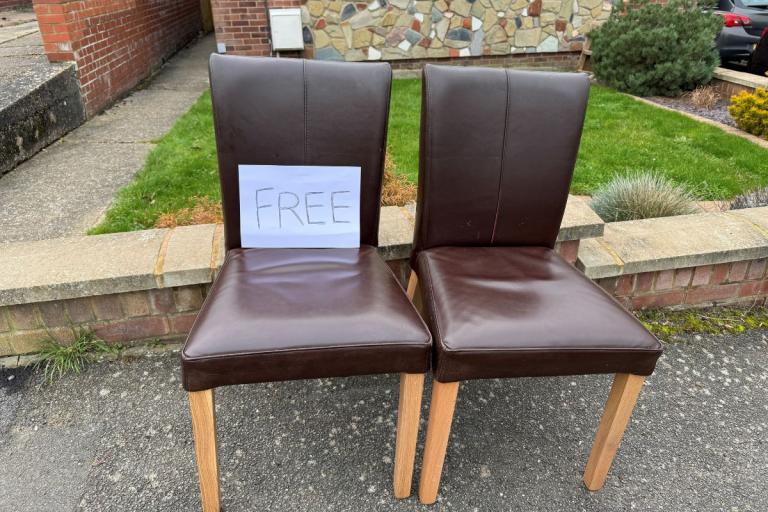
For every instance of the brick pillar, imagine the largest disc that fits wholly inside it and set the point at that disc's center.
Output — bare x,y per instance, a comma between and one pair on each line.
58,29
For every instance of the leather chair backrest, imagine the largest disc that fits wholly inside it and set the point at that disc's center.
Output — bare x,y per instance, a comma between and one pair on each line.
497,153
271,111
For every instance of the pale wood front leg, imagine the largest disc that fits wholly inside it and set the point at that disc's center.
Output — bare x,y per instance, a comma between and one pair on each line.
413,290
408,414
438,431
624,392
201,405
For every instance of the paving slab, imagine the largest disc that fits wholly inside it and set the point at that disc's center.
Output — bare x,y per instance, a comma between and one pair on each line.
66,189
697,440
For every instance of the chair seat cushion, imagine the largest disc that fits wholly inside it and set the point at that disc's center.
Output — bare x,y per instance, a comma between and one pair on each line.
283,314
524,312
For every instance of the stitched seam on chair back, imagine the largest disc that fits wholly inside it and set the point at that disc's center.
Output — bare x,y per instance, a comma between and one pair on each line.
501,162
306,111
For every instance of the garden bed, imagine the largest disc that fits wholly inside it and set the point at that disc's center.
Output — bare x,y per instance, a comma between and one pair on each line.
718,113
621,135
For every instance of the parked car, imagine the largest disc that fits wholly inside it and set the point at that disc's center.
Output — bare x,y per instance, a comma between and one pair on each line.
758,63
744,22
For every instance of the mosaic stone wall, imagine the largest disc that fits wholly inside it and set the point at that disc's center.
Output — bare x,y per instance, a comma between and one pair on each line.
418,29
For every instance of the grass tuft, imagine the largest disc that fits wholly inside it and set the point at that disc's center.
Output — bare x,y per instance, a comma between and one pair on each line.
57,359
641,196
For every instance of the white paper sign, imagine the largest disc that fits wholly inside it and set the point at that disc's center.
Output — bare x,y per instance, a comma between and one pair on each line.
299,206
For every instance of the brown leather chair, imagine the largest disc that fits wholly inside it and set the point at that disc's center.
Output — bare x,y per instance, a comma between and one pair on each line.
498,149
284,314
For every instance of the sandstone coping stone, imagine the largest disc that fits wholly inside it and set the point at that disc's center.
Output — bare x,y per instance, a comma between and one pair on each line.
67,268
741,78
579,221
180,266
85,266
676,242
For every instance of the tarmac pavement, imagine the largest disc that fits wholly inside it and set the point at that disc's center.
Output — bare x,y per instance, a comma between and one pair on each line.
117,438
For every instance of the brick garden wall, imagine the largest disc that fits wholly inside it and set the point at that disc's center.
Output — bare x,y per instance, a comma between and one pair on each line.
707,285
162,314
167,314
115,43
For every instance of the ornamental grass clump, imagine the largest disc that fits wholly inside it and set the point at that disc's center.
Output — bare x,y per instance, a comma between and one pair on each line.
641,196
656,49
750,111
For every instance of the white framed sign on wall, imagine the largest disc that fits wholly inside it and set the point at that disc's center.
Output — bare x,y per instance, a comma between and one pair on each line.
294,206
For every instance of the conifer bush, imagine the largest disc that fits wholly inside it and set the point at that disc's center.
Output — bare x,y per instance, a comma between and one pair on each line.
650,49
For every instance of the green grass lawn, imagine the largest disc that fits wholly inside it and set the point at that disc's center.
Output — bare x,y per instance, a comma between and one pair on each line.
621,135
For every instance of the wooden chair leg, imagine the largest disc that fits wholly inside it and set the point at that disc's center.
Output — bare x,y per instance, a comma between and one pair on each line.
624,392
201,405
413,290
408,414
438,430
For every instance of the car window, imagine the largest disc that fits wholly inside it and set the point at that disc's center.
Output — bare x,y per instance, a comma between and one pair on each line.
755,3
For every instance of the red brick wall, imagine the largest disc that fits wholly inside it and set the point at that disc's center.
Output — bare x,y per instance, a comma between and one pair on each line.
242,24
115,43
707,285
168,313
163,314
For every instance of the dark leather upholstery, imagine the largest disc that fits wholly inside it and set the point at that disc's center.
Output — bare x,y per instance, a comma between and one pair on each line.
524,312
282,314
497,153
293,112
498,149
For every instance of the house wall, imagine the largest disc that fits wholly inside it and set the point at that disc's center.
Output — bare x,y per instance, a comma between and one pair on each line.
424,29
502,32
115,43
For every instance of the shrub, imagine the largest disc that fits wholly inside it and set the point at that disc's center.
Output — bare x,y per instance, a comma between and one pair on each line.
650,49
750,111
704,97
751,199
641,196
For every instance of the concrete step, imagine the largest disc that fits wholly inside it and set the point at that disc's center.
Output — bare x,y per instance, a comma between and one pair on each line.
39,101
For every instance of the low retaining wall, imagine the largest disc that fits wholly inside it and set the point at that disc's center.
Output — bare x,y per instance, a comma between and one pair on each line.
730,82
692,260
147,285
